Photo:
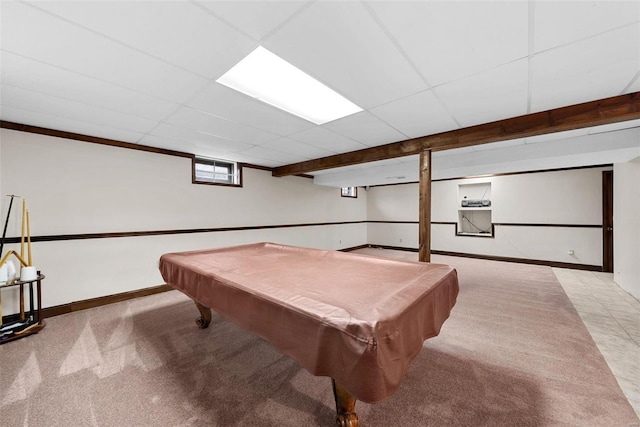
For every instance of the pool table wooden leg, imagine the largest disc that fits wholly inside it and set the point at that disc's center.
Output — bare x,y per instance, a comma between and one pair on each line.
205,316
345,406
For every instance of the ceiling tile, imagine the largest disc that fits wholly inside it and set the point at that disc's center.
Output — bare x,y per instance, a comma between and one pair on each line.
488,96
340,44
245,158
591,69
255,18
171,30
68,46
193,119
278,157
562,22
416,115
63,108
325,139
186,146
38,77
366,129
230,104
214,142
32,118
297,148
450,40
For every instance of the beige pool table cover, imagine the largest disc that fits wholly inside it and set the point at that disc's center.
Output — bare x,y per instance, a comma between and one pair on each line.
358,319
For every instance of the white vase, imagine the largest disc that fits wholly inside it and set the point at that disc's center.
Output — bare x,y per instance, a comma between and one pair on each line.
28,273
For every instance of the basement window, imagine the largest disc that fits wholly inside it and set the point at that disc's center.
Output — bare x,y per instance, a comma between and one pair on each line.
217,172
349,192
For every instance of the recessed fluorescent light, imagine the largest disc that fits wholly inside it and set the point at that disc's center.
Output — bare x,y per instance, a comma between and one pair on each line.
269,78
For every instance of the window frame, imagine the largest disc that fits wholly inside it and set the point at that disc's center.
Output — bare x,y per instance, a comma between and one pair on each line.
348,193
236,167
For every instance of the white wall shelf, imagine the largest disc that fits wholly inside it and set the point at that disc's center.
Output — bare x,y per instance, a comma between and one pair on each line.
474,221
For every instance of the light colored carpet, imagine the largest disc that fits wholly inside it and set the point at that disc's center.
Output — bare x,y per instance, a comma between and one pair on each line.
514,352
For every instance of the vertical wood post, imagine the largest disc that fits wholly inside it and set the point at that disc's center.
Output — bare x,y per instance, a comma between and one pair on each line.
424,240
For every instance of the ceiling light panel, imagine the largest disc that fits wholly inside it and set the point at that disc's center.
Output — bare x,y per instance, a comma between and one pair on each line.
269,78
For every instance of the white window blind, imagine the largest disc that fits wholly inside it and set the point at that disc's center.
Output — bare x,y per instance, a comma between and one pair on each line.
216,171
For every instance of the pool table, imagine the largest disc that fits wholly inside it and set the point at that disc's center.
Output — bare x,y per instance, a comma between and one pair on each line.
358,319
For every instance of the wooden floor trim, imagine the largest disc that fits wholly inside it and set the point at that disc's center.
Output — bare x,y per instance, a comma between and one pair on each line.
556,264
71,307
100,301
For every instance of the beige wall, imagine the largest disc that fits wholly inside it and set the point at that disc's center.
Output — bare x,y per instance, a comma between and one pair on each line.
562,197
76,187
626,226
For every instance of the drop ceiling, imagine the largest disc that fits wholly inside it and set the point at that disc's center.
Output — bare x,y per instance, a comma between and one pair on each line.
144,72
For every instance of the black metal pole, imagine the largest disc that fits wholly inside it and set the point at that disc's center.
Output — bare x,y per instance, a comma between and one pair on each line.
6,223
31,318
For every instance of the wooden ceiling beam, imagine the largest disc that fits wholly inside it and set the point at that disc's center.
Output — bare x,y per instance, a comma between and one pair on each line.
594,113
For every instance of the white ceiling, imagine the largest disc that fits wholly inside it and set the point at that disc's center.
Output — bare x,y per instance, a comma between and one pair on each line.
144,72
